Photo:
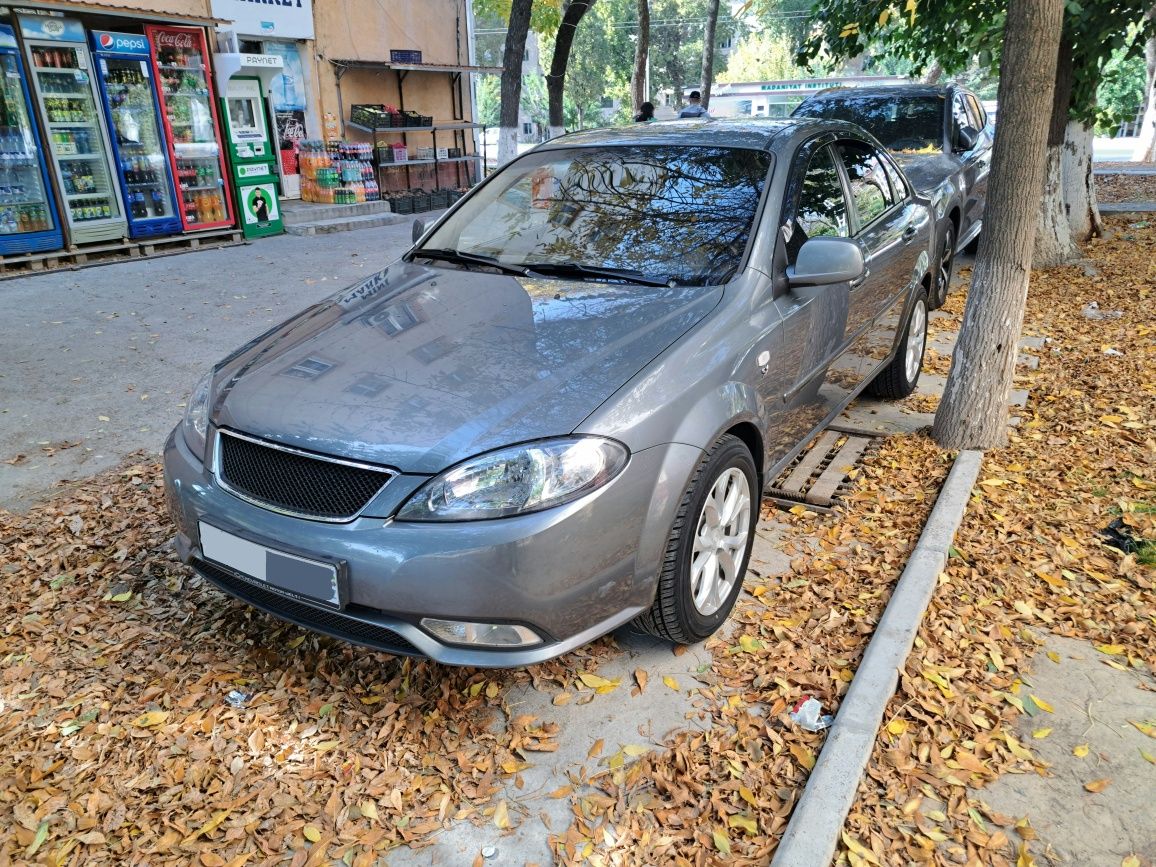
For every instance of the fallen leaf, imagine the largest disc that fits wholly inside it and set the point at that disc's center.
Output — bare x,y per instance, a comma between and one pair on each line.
595,750
1097,786
640,677
1043,705
1040,734
721,841
312,833
670,682
1080,750
1147,728
152,718
1110,649
502,815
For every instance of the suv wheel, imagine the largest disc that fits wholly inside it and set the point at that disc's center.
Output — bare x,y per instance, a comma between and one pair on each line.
945,264
900,376
709,547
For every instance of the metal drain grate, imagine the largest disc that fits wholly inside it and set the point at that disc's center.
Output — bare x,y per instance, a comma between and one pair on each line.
818,476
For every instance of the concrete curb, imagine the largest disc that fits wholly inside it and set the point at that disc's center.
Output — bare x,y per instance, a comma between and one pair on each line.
817,820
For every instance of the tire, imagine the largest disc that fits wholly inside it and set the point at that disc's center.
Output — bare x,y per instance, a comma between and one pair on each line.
899,378
944,267
676,614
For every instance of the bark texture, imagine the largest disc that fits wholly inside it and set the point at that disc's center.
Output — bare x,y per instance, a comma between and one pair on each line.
516,32
556,79
638,94
1054,244
973,411
1079,184
1146,144
708,40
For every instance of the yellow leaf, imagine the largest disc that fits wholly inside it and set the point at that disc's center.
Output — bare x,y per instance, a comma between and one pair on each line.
748,796
1016,748
592,680
1097,785
1054,657
670,682
745,822
803,756
152,718
749,643
1080,750
122,597
1025,859
1040,734
858,848
994,483
1130,861
1043,705
296,642
502,815
848,30
596,749
721,841
311,832
369,809
1111,649
560,792
1148,757
799,510
1111,419
207,828
883,16
636,750
1145,727
562,698
897,726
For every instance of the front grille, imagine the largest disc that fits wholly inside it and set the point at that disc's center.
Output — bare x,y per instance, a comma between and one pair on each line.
290,481
318,619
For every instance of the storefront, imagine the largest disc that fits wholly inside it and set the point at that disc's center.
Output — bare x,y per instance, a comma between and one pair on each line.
286,31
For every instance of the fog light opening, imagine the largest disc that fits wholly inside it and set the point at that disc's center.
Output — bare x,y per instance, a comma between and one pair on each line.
480,634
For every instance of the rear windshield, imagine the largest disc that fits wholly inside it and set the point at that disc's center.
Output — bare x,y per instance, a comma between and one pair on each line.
903,123
671,213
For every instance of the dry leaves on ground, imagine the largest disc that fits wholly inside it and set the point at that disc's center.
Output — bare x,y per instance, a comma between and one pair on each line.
1126,188
1029,559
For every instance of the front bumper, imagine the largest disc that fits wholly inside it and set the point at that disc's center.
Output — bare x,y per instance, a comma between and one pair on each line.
571,573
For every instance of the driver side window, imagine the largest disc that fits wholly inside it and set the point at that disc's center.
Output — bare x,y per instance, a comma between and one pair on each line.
822,209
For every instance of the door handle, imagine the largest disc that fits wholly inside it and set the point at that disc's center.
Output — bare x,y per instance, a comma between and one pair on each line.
909,234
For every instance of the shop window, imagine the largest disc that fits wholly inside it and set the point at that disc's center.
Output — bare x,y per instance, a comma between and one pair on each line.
430,352
309,368
394,319
527,129
368,385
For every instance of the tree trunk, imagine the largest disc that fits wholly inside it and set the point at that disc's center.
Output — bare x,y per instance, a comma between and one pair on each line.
973,410
932,74
708,51
1054,244
1146,143
556,80
638,82
1079,183
516,33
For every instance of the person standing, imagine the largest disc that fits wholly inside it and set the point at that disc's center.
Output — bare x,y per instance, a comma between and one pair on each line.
694,107
645,114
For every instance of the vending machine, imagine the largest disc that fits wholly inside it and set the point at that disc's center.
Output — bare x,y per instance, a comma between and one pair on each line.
65,87
28,221
188,107
138,141
252,154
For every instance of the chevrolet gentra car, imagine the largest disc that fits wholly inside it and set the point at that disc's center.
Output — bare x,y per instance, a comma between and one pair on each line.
554,415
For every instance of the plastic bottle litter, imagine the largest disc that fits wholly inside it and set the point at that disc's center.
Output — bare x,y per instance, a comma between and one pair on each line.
236,698
1111,350
808,714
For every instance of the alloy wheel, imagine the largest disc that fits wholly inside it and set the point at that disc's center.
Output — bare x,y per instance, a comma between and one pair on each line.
916,336
720,541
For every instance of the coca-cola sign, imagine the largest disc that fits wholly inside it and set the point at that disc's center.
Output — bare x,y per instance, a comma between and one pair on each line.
179,39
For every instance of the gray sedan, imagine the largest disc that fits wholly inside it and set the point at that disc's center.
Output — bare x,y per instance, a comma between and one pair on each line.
555,414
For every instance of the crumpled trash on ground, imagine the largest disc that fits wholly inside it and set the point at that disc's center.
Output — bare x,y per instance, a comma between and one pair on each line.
1092,311
237,698
808,714
1118,535
1111,350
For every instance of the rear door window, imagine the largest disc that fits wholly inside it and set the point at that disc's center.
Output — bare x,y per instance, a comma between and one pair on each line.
871,193
822,208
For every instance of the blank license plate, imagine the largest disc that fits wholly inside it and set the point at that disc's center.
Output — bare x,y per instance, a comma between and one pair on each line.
298,575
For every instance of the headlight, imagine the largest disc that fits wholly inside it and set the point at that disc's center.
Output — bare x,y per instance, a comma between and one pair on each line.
517,480
196,424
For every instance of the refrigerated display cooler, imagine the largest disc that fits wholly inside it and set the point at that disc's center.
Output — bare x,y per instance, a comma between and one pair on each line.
28,220
62,76
188,106
138,142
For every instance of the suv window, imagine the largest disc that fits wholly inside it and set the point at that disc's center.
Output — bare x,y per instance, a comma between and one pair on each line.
822,208
870,190
978,115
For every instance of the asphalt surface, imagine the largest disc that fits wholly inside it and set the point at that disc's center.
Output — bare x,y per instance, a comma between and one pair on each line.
96,363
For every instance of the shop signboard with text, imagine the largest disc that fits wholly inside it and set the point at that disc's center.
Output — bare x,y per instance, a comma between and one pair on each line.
282,19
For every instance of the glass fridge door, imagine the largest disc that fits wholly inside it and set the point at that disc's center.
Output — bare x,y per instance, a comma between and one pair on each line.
187,96
132,112
23,203
74,131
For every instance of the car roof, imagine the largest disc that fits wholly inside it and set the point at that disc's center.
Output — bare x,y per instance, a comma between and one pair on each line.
753,133
886,90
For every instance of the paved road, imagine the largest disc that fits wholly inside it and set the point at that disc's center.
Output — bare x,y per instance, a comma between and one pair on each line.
104,357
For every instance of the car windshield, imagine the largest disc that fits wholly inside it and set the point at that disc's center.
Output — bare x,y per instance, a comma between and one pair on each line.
680,214
903,123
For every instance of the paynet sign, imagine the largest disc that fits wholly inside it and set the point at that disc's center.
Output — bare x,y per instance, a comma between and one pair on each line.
285,19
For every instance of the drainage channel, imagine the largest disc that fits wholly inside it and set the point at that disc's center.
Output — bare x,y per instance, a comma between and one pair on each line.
820,475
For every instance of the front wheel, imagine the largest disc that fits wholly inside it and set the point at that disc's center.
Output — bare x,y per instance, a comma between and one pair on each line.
708,548
901,375
945,264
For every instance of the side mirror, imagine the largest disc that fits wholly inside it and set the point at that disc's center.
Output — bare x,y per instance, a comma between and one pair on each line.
965,138
823,261
418,230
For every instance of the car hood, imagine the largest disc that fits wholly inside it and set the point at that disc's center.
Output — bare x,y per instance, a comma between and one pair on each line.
420,367
928,171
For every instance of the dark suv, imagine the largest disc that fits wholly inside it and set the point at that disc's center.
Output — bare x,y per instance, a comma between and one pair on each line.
941,137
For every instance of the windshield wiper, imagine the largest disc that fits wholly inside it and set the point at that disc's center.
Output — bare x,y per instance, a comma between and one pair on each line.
470,259
577,269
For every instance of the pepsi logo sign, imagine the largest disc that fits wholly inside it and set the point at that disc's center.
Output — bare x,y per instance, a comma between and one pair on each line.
125,43
106,40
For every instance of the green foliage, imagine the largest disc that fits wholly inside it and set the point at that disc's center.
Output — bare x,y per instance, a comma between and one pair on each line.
544,19
489,99
760,57
1121,91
